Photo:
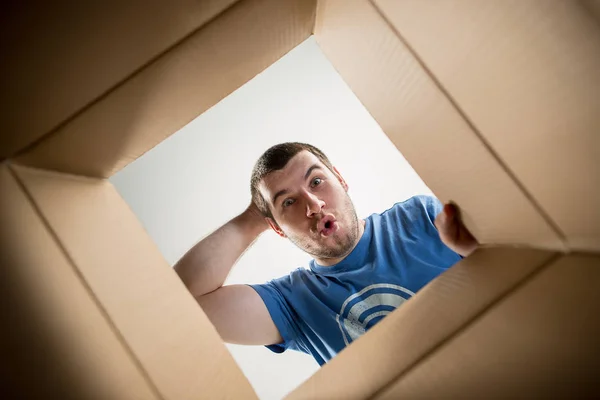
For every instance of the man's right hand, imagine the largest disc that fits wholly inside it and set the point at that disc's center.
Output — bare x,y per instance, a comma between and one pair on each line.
254,217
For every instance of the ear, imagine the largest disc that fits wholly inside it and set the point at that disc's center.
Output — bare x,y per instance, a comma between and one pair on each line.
275,227
339,177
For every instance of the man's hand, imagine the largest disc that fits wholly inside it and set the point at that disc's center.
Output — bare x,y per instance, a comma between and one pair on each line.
254,218
453,233
204,268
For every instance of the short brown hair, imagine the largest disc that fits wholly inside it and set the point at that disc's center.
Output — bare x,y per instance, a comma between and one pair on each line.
274,159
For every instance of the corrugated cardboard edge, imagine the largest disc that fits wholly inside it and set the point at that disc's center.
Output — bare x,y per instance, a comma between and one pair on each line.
524,73
33,336
419,116
175,88
542,341
423,324
161,323
359,361
15,139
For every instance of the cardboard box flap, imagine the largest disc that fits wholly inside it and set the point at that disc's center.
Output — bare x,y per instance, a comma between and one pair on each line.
593,6
430,318
424,123
178,86
160,321
57,58
55,338
542,341
527,74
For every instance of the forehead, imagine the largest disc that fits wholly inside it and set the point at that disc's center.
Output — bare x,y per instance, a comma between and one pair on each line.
292,174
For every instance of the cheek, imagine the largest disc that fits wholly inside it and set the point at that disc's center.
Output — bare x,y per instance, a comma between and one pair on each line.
291,220
334,196
296,222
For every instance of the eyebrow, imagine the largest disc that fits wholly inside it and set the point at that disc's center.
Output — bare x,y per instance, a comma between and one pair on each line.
280,193
313,167
284,191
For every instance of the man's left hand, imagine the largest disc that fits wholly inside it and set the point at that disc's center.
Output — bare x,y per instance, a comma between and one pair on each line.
453,232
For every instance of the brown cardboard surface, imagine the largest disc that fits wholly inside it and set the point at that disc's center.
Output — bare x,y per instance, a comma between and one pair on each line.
593,6
160,321
494,105
437,312
527,74
542,341
57,58
175,88
425,125
55,339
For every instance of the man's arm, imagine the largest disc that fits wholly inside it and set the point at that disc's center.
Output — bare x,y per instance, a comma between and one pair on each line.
237,311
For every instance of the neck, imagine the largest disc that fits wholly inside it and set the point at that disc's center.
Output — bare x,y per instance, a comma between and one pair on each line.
328,262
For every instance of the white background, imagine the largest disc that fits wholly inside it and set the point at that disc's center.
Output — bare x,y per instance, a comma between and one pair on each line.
198,178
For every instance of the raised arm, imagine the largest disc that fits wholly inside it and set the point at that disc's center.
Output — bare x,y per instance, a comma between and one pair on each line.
237,311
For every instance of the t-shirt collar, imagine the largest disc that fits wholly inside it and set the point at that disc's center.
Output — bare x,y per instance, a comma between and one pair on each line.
354,260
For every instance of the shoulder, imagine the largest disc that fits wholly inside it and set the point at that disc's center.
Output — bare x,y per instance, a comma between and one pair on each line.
412,218
287,283
281,293
420,206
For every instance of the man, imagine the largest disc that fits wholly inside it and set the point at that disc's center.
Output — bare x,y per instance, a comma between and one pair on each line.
361,271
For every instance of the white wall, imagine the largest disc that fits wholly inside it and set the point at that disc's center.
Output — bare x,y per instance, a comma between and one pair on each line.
199,178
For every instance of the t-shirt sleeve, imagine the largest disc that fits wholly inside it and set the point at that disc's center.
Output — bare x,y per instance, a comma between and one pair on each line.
419,212
281,314
433,207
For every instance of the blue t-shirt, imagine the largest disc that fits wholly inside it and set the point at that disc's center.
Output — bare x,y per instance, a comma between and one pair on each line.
322,310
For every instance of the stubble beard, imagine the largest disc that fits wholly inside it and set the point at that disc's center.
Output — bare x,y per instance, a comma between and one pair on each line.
343,244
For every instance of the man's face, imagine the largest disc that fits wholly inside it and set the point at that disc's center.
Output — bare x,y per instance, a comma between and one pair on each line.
311,207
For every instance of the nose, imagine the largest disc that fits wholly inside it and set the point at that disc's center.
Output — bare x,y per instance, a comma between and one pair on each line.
314,205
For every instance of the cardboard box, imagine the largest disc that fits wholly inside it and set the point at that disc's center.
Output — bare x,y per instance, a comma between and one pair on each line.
495,104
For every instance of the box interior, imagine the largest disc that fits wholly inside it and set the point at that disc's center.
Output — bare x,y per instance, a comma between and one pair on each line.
495,105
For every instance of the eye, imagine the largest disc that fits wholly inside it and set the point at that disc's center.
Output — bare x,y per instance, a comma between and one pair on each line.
316,182
287,202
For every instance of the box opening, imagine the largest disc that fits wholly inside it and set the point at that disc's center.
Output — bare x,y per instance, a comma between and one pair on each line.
198,178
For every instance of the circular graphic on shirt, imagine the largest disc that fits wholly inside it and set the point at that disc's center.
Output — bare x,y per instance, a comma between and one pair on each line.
364,309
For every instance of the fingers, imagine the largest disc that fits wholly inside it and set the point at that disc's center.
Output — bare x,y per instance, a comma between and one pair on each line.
451,211
453,232
454,221
446,221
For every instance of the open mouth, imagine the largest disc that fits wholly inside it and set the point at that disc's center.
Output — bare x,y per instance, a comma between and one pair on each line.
327,225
